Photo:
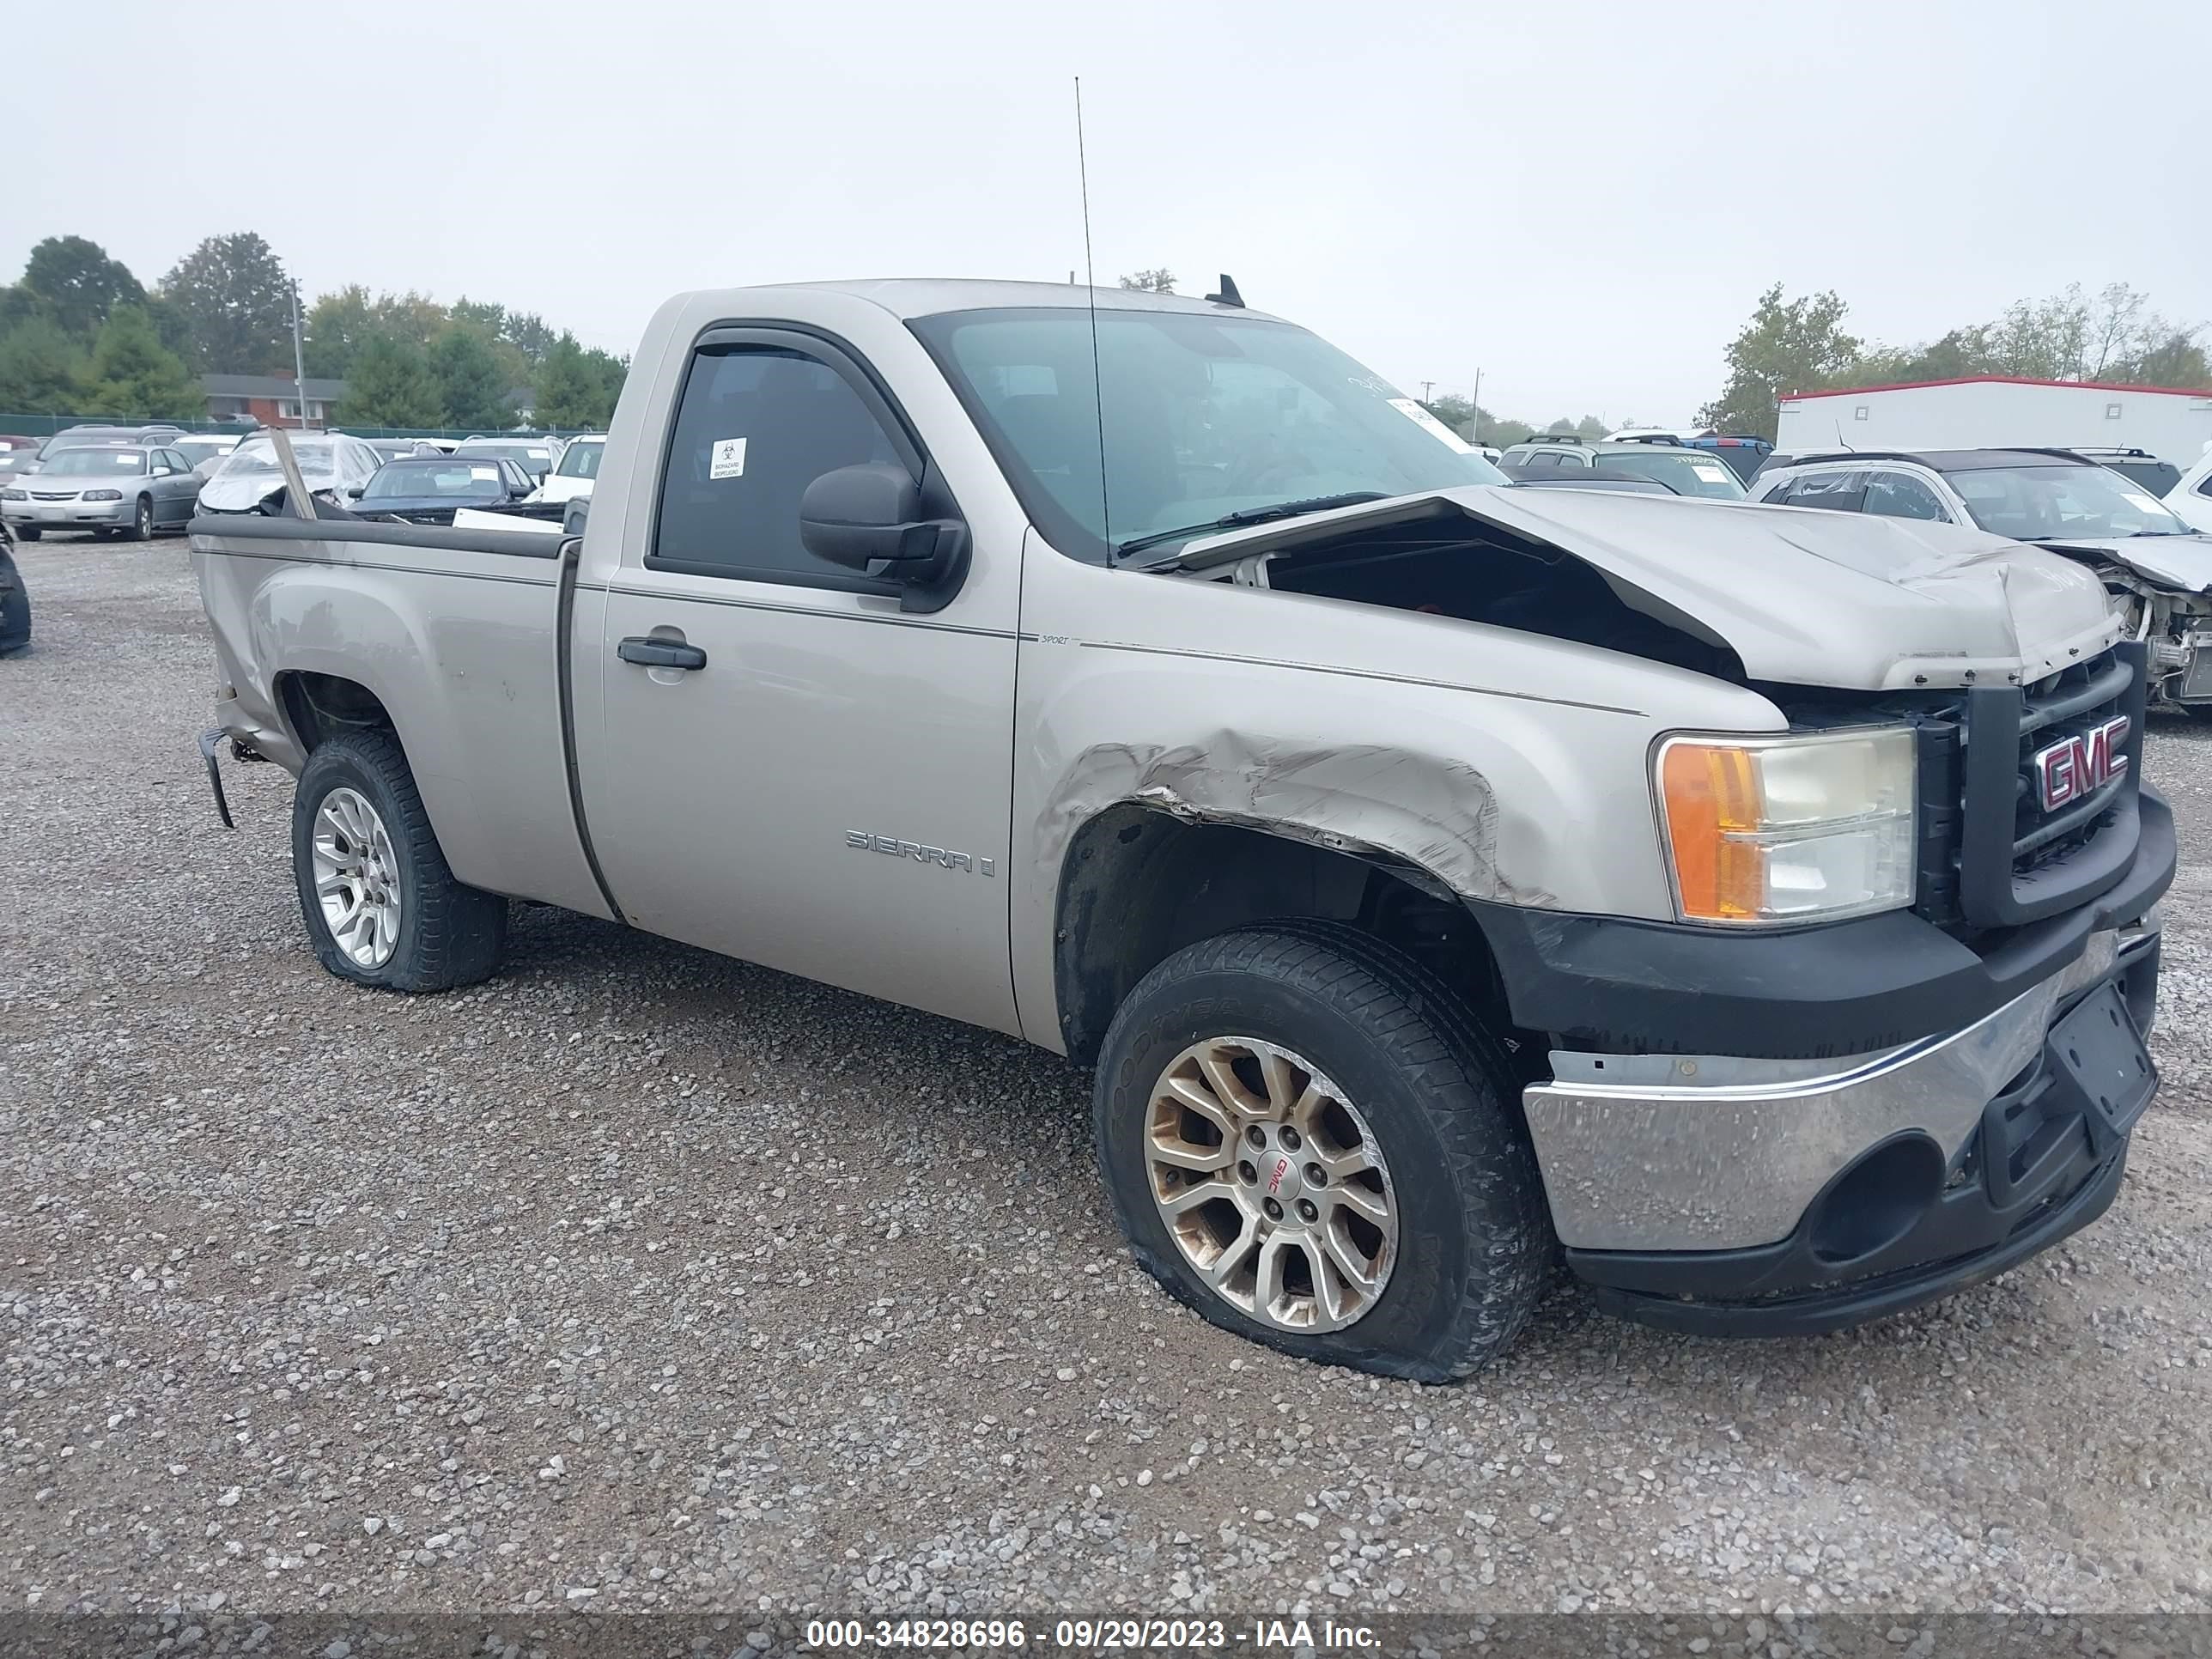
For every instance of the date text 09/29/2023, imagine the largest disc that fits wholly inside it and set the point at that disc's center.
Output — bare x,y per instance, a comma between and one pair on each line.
1091,1635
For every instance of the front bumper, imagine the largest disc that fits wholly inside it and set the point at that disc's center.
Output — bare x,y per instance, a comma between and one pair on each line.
1737,1196
67,515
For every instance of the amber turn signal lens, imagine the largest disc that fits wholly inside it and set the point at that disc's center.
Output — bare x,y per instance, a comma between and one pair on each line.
1711,796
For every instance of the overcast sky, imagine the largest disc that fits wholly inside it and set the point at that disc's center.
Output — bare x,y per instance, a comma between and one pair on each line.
1583,200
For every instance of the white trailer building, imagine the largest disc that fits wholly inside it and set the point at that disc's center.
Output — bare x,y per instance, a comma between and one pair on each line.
1994,411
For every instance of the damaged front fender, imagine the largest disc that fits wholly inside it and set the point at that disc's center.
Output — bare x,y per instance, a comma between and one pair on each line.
1435,817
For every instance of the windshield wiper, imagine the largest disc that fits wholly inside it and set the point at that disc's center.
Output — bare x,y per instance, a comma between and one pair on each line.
1244,515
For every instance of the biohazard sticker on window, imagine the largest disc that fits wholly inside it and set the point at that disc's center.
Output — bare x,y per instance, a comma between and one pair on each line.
728,460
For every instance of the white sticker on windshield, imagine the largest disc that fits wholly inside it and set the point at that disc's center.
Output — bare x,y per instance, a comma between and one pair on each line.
2143,504
488,474
1711,472
1430,424
728,460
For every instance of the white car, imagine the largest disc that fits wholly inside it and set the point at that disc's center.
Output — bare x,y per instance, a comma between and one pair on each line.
2192,499
536,456
204,450
578,470
250,478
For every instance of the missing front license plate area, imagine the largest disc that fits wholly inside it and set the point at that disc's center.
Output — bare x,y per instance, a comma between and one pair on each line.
2098,1047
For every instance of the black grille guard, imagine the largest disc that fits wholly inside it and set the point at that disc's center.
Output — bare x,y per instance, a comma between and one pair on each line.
1993,891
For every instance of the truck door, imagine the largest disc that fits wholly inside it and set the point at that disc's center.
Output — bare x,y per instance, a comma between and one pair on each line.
791,770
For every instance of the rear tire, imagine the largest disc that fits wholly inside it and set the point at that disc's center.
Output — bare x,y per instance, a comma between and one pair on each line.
1460,1249
381,905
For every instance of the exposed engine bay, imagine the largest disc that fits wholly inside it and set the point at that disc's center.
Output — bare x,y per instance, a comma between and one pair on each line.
2177,627
1461,568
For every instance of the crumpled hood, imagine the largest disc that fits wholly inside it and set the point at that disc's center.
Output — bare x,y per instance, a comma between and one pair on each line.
1803,596
2183,561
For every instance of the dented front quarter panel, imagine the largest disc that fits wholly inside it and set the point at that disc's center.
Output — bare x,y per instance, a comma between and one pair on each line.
1494,764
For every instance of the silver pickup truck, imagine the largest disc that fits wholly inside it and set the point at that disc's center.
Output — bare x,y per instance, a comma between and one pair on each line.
1758,904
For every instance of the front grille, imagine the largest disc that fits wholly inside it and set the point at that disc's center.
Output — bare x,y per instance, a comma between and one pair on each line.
53,495
2018,861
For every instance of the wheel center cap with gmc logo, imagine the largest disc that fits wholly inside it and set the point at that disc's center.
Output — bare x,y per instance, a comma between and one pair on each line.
1278,1178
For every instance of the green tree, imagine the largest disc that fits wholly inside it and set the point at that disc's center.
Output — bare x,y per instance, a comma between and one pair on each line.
336,326
390,383
133,374
2174,359
611,371
470,385
1795,345
1158,281
525,331
41,369
78,284
234,294
568,391
409,316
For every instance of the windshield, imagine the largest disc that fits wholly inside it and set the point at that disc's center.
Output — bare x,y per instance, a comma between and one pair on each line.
579,460
1683,473
2047,503
94,464
457,478
1205,414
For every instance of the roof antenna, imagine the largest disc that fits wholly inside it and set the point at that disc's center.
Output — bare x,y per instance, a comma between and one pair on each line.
1228,295
1090,293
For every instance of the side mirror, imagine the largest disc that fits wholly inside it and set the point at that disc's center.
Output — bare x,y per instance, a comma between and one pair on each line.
868,518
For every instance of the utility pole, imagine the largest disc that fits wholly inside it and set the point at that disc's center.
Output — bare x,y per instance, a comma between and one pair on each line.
1427,386
299,356
1478,403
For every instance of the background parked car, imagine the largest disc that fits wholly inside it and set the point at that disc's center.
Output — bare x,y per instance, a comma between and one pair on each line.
79,437
400,449
1686,471
204,450
2157,566
251,480
1588,478
14,603
578,470
431,490
16,463
536,456
126,490
2139,465
2192,497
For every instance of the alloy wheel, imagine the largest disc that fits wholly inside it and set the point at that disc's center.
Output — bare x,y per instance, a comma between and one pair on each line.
356,878
1270,1183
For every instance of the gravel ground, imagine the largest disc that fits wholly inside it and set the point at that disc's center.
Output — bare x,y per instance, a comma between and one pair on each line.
640,1278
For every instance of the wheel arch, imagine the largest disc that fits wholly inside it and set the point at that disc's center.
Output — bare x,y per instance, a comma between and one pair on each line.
1140,883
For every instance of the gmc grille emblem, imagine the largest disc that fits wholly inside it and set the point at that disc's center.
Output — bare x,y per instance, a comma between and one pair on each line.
2075,767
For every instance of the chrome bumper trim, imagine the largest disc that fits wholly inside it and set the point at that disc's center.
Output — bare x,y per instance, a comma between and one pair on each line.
1719,1152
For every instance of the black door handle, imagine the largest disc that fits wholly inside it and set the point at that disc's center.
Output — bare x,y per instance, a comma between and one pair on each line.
660,654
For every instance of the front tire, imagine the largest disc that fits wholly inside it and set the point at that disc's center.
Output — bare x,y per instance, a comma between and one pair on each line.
142,521
1308,1140
27,532
381,905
